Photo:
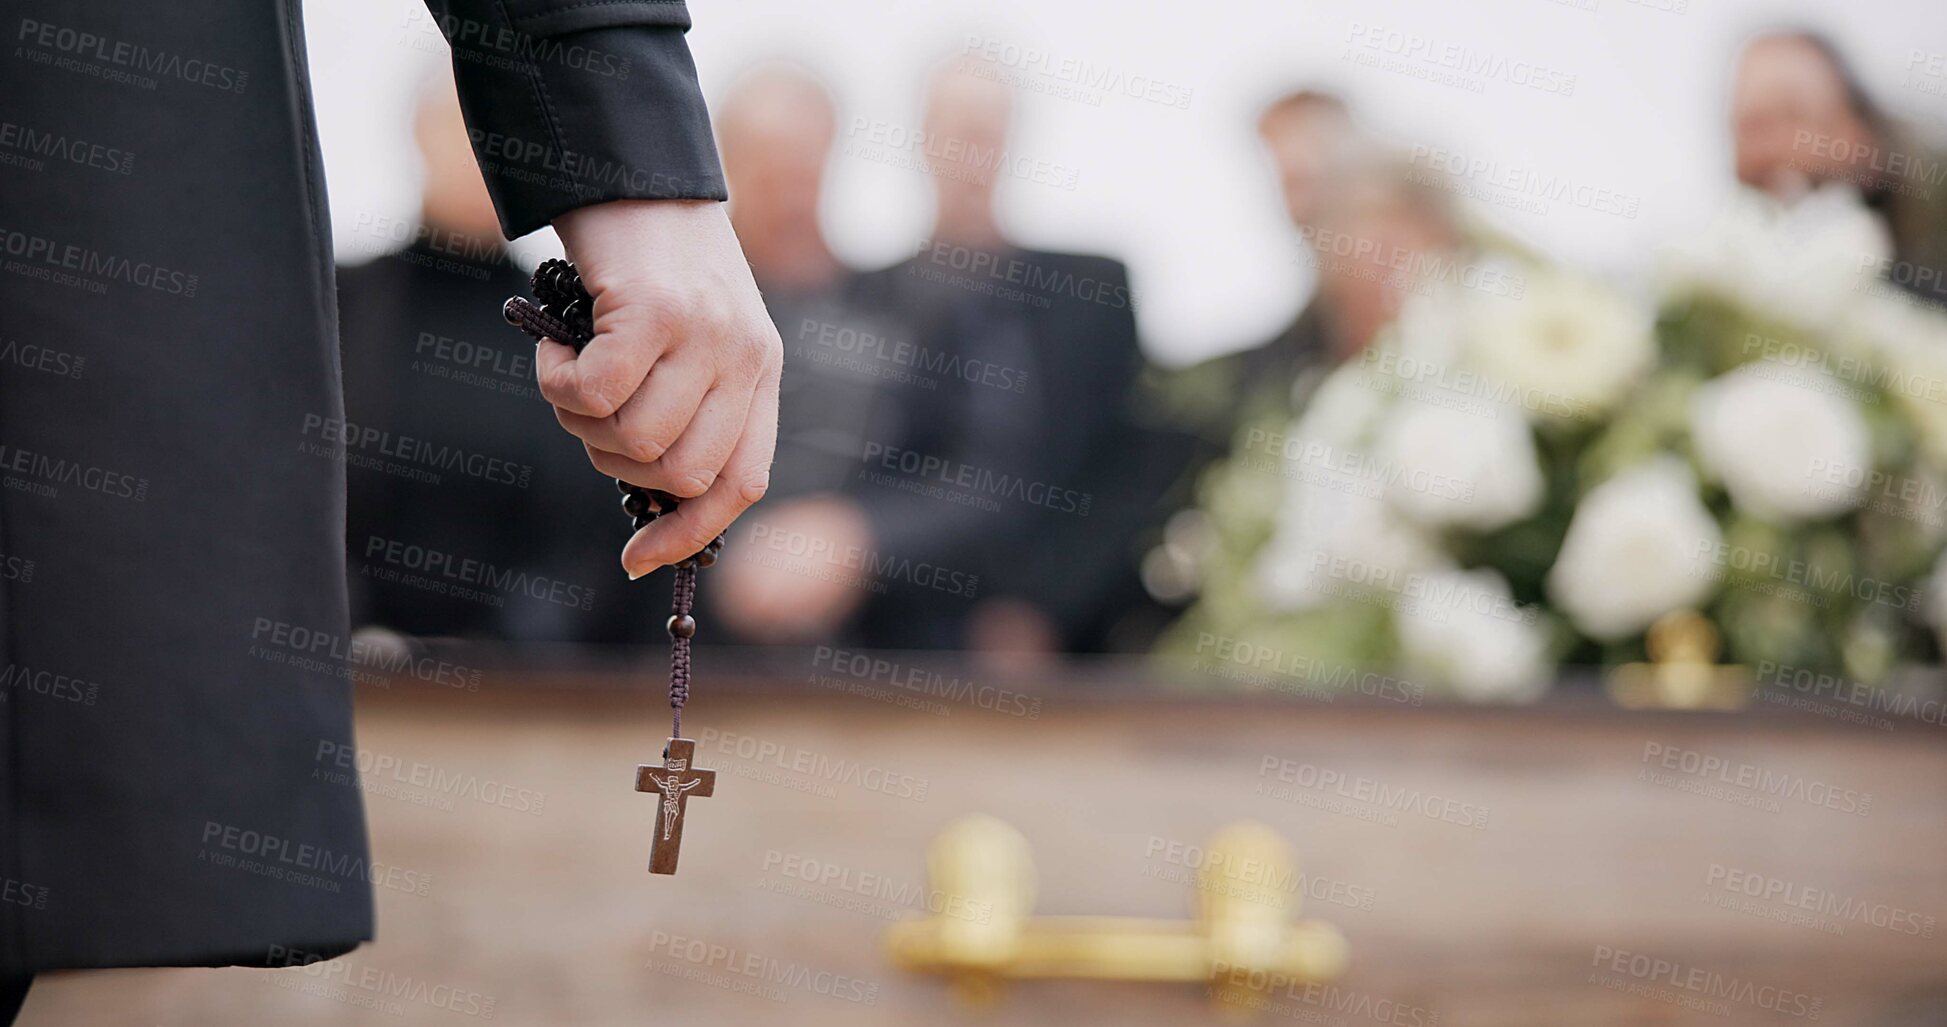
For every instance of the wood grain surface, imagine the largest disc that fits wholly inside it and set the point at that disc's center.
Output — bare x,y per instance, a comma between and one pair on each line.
1562,865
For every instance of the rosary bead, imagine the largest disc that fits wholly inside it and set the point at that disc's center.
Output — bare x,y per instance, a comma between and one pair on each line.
635,504
706,558
682,625
625,488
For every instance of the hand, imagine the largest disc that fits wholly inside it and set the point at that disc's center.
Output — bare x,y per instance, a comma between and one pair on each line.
678,389
798,573
1012,637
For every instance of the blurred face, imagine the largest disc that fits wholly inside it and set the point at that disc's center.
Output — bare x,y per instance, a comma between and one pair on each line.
455,196
775,135
1790,119
1304,142
1400,242
966,130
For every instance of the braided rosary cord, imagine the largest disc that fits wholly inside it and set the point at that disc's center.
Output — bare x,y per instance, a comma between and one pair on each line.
566,314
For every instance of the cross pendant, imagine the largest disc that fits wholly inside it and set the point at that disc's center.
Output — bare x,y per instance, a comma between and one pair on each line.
676,781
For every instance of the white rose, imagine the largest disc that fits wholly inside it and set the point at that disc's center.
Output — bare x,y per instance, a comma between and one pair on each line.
1334,510
1905,351
1766,428
1803,261
1631,554
1472,636
1336,525
1446,466
1567,347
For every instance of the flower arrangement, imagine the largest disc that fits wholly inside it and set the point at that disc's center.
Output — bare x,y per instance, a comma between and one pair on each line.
1501,484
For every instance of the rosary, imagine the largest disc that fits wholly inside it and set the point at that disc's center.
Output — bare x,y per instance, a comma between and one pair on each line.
567,314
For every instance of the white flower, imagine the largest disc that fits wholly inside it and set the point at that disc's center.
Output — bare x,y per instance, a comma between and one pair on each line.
1773,433
1333,515
1804,261
1567,347
1633,551
1905,344
1464,468
1335,528
1472,636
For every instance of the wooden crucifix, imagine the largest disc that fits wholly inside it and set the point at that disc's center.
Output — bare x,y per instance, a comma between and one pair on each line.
677,781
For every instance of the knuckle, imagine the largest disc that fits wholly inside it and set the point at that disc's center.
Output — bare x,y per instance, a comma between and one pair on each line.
695,537
753,486
644,449
690,484
601,396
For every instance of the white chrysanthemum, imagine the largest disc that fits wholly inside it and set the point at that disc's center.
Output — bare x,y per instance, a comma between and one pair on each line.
1568,347
1804,261
1470,635
1775,435
1450,467
1634,550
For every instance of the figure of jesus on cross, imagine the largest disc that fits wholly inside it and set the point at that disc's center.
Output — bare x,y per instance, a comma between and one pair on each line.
676,781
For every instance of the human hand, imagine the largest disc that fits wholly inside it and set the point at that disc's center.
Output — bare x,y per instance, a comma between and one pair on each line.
678,389
799,573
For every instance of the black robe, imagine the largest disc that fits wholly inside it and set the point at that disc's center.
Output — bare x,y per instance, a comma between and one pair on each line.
174,660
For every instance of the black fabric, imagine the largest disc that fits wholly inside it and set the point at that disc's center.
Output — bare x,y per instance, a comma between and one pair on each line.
572,102
527,556
13,994
1034,439
173,639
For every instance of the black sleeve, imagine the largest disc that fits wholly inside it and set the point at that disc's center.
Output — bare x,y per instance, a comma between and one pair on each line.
576,102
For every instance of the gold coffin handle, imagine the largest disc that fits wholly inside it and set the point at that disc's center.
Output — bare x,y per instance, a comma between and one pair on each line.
1241,941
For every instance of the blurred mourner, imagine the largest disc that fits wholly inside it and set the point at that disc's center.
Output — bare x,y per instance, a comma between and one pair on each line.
976,487
524,549
1375,232
1310,138
1801,119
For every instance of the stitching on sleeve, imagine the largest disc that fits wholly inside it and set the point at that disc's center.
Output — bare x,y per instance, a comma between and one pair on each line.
542,102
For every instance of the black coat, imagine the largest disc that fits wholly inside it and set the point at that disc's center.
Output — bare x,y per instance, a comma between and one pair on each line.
174,663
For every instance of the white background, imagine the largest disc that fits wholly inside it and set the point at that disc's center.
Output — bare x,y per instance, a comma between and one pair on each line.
1185,195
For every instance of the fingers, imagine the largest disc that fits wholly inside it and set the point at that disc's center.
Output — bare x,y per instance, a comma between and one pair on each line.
607,372
692,465
745,477
653,419
694,462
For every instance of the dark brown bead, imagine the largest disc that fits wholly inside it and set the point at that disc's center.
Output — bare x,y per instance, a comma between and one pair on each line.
706,558
682,625
635,504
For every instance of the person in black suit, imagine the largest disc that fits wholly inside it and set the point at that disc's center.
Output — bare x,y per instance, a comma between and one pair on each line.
1022,493
970,493
181,650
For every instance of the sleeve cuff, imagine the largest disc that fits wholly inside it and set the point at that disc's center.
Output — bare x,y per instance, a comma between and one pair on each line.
588,116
